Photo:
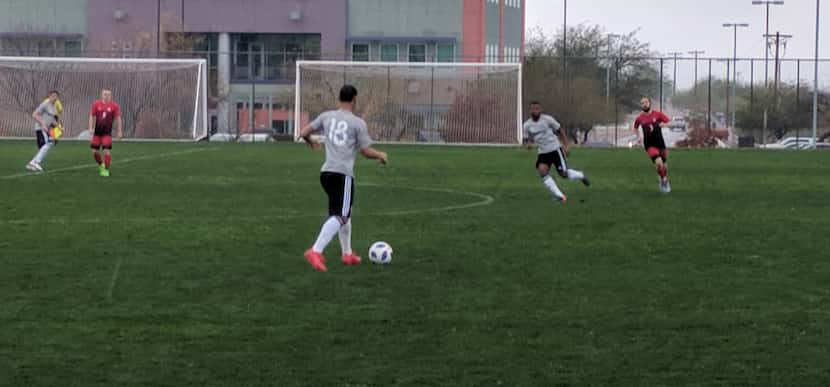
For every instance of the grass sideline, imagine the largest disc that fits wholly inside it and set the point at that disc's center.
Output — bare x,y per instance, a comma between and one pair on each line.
185,268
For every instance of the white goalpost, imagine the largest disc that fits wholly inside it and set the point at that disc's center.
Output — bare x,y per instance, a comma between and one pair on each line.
160,99
420,103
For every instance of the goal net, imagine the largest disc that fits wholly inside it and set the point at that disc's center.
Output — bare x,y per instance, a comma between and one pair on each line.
449,103
164,99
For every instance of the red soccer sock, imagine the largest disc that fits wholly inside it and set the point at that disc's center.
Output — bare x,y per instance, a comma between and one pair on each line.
663,172
98,158
107,160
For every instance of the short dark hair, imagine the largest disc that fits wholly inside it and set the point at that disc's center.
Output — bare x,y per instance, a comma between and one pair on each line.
54,92
348,93
535,102
648,98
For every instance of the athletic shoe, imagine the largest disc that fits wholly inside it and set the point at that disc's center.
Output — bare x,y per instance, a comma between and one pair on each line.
315,259
32,167
351,259
37,167
102,170
563,198
585,180
667,187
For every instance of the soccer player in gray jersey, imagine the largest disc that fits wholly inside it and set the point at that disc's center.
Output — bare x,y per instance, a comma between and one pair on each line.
543,130
46,117
345,134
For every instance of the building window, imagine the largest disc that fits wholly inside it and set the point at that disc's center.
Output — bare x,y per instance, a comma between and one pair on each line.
360,52
240,61
445,53
417,53
389,52
73,48
280,126
46,47
270,57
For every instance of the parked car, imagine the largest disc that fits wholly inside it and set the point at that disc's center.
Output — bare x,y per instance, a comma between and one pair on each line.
793,143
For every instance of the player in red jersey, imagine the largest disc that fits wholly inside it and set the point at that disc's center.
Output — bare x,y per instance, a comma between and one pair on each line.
651,122
104,111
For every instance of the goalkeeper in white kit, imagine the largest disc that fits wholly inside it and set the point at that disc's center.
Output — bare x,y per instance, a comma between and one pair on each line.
46,118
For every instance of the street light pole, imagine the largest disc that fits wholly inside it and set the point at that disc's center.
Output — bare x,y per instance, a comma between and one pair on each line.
767,3
734,27
815,79
565,52
158,29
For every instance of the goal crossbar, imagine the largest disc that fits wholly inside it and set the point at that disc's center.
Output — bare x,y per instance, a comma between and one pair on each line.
195,86
99,60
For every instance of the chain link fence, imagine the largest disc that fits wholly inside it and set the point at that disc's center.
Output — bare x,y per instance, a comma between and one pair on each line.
712,101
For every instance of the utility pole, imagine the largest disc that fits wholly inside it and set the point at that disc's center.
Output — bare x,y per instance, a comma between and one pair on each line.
734,27
674,73
779,39
767,3
696,53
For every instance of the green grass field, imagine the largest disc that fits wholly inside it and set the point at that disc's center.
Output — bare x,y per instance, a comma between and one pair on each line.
185,269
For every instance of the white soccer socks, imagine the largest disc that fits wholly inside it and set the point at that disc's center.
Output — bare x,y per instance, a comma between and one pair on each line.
327,233
573,174
551,184
41,154
345,234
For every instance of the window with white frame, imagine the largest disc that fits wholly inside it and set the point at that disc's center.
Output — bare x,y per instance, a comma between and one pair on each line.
389,52
417,52
445,52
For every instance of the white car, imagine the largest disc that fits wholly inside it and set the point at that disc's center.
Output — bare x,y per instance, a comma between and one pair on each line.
792,143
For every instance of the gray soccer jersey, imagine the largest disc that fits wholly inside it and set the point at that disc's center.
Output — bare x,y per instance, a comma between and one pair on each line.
543,133
47,112
345,134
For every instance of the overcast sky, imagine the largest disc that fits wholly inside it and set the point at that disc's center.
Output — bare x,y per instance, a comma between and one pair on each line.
684,25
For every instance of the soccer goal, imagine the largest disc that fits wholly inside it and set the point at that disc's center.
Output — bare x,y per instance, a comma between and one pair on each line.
405,102
160,99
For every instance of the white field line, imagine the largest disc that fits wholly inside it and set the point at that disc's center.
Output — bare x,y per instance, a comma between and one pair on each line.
90,165
484,200
114,277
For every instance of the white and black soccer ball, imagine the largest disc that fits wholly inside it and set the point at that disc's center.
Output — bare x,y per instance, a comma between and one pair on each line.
380,253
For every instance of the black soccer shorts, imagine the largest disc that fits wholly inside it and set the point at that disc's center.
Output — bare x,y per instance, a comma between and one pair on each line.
340,190
556,158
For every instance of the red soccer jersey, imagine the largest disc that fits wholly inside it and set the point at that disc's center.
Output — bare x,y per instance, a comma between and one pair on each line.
648,121
104,114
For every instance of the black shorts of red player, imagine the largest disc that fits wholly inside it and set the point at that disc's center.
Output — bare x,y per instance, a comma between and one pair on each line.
556,158
101,141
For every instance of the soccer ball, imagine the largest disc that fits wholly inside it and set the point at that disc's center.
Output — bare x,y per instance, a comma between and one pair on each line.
380,253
